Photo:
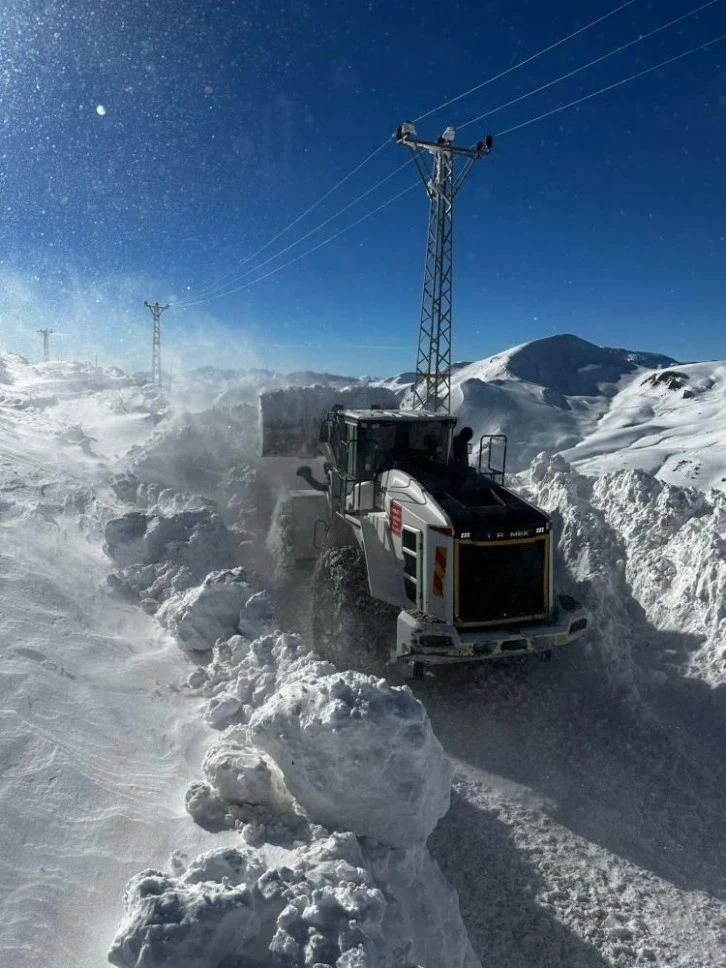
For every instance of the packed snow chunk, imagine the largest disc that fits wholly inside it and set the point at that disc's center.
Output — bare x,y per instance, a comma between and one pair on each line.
208,612
149,495
196,539
357,754
210,810
182,925
320,907
421,905
241,775
243,674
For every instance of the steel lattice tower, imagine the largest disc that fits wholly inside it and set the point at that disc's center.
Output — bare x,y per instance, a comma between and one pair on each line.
46,343
156,310
432,382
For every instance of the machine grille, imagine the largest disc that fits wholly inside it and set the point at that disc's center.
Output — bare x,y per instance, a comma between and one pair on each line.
501,581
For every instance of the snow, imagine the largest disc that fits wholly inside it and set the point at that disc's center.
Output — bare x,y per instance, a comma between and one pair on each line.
669,427
207,612
162,732
242,774
325,907
96,735
357,754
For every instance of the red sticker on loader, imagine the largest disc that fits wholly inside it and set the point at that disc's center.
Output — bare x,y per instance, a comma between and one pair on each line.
439,571
396,514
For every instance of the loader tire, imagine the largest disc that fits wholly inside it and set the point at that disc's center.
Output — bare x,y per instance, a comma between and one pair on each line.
349,628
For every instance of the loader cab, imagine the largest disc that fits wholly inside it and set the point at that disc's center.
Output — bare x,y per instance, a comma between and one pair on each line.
362,444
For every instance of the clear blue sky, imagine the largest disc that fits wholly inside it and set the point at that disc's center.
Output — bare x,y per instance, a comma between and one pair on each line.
149,148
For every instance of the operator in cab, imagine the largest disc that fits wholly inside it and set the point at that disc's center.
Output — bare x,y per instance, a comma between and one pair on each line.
460,448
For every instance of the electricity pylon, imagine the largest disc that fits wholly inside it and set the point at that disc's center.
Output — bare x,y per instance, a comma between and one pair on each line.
432,382
156,310
46,343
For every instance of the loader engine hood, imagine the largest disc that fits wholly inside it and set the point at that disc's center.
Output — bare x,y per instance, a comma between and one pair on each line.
480,509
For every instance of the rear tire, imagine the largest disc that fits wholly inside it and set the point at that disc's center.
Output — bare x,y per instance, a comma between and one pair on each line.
349,628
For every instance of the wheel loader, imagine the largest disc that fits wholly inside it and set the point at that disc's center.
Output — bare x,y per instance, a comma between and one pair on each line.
461,563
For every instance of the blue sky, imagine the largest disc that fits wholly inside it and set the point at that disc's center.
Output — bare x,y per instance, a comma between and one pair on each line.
149,150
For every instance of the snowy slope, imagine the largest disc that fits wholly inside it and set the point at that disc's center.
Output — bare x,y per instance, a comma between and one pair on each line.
96,741
669,423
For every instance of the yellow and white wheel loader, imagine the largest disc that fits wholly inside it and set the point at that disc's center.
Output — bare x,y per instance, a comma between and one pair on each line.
460,563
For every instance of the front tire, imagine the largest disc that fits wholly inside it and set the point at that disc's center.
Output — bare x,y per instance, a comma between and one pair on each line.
349,628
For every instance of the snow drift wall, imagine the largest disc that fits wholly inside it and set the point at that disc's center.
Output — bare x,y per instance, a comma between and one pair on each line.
676,558
341,772
640,551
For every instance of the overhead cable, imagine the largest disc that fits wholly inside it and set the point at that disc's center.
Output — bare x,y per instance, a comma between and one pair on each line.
227,276
610,87
577,70
527,60
319,245
562,107
224,279
211,292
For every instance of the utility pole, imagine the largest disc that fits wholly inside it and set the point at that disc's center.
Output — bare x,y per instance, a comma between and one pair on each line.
46,343
156,310
432,382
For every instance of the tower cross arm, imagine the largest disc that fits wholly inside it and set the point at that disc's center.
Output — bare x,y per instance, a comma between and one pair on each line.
404,136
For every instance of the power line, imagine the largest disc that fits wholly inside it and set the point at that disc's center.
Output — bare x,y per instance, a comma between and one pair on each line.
226,278
562,107
331,238
322,198
610,87
577,70
528,60
212,293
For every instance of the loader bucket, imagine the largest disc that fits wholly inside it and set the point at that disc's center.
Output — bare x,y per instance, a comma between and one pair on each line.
290,419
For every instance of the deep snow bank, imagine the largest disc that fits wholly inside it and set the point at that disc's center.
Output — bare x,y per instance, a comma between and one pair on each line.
676,558
627,539
589,564
340,772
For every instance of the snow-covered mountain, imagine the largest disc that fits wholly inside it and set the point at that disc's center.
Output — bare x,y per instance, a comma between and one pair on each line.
667,422
602,408
162,734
